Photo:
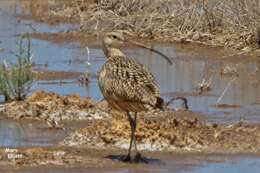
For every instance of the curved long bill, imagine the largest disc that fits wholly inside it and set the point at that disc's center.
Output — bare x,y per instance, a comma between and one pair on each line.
153,50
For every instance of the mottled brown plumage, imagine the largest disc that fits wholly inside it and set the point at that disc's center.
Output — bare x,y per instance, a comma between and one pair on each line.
127,85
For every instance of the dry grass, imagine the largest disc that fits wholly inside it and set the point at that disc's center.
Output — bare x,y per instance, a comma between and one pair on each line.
229,23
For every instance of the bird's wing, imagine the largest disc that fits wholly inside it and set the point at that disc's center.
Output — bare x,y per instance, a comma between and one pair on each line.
133,82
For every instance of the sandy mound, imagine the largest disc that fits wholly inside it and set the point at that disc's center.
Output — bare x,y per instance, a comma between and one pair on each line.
53,108
170,131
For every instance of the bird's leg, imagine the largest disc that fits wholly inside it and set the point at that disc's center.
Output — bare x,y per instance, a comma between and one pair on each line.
131,122
137,154
134,129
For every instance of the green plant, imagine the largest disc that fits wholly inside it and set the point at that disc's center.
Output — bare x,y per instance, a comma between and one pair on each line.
16,79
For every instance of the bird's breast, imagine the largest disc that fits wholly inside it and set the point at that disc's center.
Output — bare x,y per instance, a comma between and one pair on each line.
102,78
102,73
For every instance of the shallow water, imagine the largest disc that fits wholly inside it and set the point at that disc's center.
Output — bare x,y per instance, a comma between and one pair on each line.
28,133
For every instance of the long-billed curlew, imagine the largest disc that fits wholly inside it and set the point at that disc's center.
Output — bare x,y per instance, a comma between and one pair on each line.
127,85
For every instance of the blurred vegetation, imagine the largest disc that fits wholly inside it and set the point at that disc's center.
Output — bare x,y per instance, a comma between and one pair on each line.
16,78
227,23
231,23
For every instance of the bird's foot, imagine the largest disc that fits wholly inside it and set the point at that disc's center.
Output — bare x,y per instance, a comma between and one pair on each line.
126,158
139,159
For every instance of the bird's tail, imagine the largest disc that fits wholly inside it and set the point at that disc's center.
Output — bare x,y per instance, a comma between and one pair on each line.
160,103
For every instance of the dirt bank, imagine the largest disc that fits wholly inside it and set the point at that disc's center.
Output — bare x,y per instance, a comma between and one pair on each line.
42,74
72,36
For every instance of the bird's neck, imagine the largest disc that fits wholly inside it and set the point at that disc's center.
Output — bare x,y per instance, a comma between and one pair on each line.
111,52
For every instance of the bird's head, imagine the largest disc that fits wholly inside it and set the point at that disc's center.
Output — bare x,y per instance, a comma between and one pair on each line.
113,39
117,39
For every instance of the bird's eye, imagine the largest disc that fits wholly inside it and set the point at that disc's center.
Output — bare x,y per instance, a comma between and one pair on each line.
114,37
